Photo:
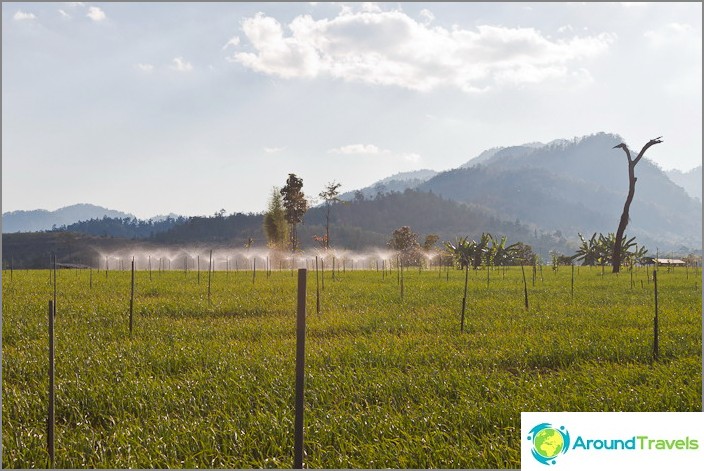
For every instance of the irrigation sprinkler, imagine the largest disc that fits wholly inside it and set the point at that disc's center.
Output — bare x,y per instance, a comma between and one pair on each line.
655,320
525,287
198,267
300,369
90,270
150,268
254,268
50,418
535,270
132,297
383,270
333,268
106,267
12,260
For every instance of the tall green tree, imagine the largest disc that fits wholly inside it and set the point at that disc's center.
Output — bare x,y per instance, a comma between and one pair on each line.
295,206
616,255
274,224
405,242
329,195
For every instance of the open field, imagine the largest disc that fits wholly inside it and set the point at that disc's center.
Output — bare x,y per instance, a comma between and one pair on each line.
389,382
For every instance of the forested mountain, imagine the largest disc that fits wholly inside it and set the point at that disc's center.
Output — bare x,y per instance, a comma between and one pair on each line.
395,183
42,220
691,181
539,194
357,225
576,186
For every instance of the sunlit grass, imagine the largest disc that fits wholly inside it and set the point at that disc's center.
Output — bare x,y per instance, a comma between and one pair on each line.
390,382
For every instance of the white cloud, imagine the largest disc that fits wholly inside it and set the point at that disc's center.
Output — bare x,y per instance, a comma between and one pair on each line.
234,41
371,149
273,150
96,14
75,4
145,67
427,16
390,48
367,149
23,16
64,14
181,65
671,34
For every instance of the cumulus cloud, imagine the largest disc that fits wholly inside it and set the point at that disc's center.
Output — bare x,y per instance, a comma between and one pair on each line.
96,14
64,14
145,67
390,48
23,16
273,150
234,41
181,65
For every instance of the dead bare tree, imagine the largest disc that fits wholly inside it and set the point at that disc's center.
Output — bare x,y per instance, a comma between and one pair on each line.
616,256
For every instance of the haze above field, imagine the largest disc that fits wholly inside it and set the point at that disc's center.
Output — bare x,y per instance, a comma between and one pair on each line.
188,108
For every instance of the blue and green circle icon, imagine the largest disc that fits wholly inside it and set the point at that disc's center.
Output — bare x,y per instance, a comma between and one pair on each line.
548,442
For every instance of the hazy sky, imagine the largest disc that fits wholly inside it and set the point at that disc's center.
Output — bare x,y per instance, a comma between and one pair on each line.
153,108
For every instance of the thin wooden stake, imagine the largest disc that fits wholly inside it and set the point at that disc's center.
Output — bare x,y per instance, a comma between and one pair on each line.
50,418
656,351
210,269
132,297
317,287
572,287
54,285
525,287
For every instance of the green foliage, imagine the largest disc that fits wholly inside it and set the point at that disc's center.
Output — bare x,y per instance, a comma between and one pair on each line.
275,222
405,242
295,205
389,383
330,196
599,250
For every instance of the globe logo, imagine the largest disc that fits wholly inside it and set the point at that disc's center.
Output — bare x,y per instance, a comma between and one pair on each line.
548,442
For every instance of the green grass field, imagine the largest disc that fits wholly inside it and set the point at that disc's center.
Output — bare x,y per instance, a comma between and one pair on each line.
389,382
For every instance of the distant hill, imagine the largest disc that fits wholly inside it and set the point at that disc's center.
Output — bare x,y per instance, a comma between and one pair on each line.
42,220
357,225
395,183
691,181
572,186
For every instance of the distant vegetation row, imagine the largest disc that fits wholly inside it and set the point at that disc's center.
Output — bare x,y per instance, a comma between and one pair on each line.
355,225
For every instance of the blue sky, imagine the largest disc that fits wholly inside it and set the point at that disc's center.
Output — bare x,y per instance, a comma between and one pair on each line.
152,108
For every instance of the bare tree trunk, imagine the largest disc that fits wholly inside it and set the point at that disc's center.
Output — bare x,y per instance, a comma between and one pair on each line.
616,255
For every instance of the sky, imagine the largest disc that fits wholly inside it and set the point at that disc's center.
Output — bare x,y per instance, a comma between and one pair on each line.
189,108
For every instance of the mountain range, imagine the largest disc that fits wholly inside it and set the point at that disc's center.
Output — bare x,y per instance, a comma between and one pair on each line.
561,188
42,219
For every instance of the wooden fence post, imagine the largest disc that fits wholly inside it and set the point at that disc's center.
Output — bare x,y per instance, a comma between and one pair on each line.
300,369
